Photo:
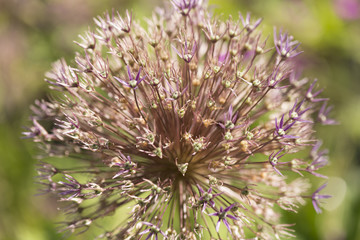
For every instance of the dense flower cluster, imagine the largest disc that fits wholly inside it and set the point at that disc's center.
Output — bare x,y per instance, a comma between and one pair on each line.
192,122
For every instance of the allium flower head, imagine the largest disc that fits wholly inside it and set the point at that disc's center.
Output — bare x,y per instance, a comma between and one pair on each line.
191,122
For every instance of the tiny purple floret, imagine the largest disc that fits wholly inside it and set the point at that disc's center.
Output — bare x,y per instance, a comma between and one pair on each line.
133,82
222,214
316,197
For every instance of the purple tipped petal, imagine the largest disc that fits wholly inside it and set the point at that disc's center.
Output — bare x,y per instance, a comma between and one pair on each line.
232,217
290,136
129,73
257,23
149,236
288,126
186,88
214,214
194,48
229,208
321,188
204,207
138,75
145,231
282,122
147,224
316,206
122,82
200,188
318,175
140,80
177,52
218,225
227,224
277,153
277,171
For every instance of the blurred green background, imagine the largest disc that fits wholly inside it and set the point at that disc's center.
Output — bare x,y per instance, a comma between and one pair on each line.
35,33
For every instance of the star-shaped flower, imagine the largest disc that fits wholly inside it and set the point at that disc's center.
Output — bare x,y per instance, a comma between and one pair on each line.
222,214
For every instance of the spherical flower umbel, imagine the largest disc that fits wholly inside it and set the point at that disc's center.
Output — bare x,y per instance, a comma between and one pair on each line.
188,127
